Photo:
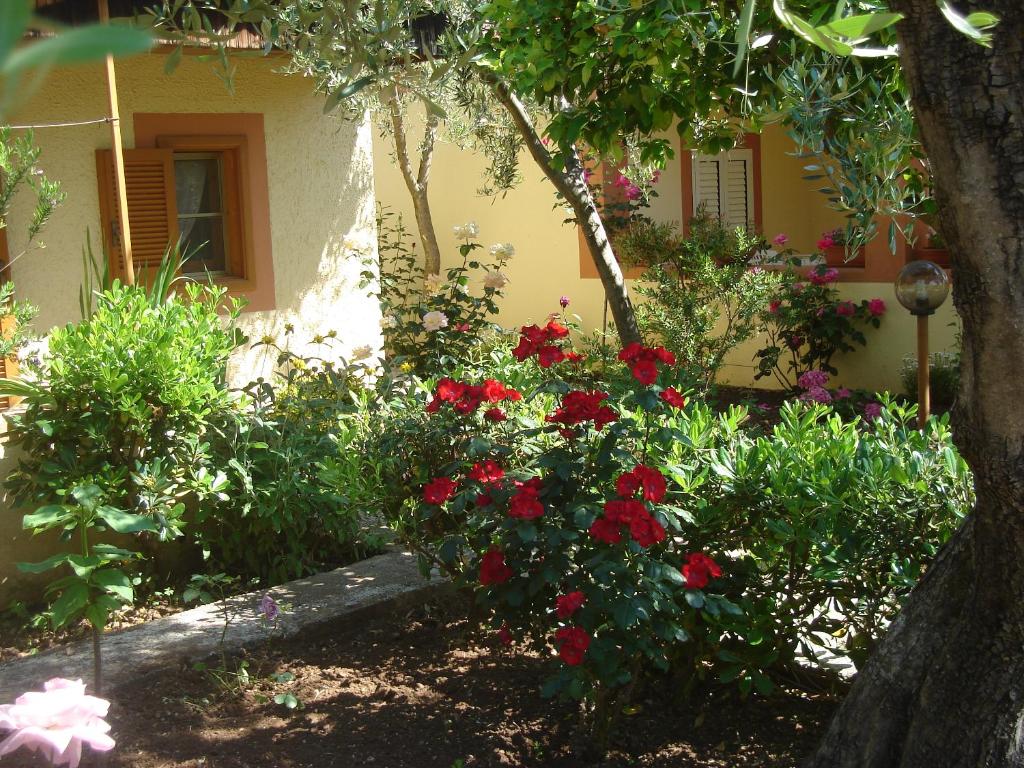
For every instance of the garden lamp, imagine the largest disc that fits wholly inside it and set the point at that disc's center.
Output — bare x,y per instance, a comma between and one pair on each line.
921,287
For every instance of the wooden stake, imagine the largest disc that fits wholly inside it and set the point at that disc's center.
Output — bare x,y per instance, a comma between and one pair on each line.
118,153
923,394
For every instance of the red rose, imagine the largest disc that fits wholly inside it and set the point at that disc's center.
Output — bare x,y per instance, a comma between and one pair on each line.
483,500
495,415
606,530
493,569
548,356
439,490
487,472
556,330
673,397
567,605
449,390
627,485
573,643
642,361
652,481
699,569
645,371
505,635
525,506
494,391
645,530
524,350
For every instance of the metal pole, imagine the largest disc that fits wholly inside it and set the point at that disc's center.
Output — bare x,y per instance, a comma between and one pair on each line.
118,153
923,404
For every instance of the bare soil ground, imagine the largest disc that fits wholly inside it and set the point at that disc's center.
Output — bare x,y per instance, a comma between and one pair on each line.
424,690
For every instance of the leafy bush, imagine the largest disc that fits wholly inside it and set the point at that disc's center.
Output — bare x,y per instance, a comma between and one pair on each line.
282,517
943,377
828,524
430,323
113,435
632,531
807,325
704,296
561,519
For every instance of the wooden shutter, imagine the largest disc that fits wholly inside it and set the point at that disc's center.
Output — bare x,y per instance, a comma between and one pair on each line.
707,189
724,184
152,206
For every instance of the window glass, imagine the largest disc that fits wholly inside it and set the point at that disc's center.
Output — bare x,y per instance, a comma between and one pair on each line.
199,193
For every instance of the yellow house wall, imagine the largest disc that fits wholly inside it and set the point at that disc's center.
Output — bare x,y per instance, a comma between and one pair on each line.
321,209
546,264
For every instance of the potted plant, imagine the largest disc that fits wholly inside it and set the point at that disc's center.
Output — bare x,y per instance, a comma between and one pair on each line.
835,247
934,250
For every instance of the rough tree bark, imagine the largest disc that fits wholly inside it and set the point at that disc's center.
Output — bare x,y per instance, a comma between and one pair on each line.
417,182
572,185
946,687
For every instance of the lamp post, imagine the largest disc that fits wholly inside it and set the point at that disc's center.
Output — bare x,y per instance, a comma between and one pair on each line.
921,287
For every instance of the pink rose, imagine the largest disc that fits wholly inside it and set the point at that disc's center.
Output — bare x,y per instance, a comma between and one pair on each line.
846,309
819,277
825,242
780,239
56,722
876,307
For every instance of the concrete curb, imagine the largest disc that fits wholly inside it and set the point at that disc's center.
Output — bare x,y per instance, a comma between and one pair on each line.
175,641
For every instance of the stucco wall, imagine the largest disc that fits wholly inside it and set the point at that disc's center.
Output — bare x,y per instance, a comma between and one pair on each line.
320,178
546,264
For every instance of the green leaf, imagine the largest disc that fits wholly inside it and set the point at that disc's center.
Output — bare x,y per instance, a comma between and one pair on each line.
116,583
46,517
78,46
70,603
965,26
14,19
125,522
743,35
173,60
41,567
861,25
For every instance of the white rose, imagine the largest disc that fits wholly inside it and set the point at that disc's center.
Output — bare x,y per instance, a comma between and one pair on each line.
503,251
495,280
433,284
388,321
467,231
435,321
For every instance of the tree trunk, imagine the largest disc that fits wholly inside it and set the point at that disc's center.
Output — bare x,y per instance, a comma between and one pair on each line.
417,182
572,185
946,686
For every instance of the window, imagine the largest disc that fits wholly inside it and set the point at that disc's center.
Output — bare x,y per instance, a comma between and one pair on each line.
723,185
199,194
727,185
203,179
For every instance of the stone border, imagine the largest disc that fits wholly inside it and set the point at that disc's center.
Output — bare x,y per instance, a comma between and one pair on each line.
179,640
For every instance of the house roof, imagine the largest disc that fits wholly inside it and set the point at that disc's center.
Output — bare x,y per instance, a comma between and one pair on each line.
75,12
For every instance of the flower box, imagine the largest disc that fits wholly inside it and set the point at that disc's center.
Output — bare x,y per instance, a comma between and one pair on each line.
835,256
939,256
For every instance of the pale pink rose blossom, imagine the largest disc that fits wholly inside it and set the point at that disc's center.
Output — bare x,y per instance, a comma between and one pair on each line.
56,722
780,239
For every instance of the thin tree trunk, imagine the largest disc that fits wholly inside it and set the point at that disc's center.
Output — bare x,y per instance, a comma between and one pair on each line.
417,182
572,185
946,686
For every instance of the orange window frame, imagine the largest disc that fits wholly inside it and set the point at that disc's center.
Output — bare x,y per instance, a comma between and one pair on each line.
240,139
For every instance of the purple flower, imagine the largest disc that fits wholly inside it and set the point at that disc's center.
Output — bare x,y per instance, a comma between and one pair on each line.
842,393
269,609
816,395
872,411
812,379
564,302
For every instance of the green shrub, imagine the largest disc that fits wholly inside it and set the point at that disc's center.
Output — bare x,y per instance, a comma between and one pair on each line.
431,322
824,527
114,432
285,514
943,377
704,298
808,324
820,527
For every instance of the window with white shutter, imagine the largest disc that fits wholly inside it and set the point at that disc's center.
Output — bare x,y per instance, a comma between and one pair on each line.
724,185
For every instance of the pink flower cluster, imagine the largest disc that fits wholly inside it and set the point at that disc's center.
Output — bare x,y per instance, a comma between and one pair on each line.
632,190
824,276
814,383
